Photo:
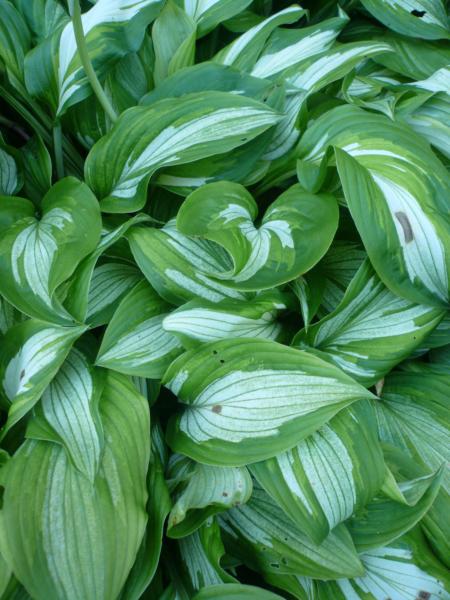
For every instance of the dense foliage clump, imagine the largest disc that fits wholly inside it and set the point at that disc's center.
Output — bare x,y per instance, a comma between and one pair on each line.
224,286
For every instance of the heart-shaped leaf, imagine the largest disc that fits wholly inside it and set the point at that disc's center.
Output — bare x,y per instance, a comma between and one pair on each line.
37,255
294,234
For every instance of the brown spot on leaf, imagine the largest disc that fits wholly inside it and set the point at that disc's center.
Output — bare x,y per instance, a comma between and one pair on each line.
217,409
418,13
424,595
406,226
225,494
22,374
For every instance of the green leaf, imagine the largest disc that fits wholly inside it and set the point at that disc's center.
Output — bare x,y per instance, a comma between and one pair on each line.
15,41
53,69
421,19
248,400
37,167
383,520
261,535
201,491
37,255
371,330
173,35
235,591
30,356
178,266
158,507
201,321
323,480
294,234
68,414
135,341
43,17
394,187
165,134
63,536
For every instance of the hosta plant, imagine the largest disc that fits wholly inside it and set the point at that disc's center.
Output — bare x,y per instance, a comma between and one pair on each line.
224,293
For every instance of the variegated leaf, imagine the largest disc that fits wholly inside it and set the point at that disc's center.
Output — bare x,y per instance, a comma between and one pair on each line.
53,518
135,342
110,282
201,321
263,537
201,491
209,13
112,28
79,285
371,330
68,414
412,414
323,480
250,399
37,255
200,554
403,570
165,134
395,189
243,52
294,234
31,354
178,266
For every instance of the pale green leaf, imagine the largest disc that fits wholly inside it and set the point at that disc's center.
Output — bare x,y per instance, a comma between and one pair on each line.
235,591
209,13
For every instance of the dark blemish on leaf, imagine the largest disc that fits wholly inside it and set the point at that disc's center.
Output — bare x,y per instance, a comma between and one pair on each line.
214,351
22,374
418,13
217,409
275,565
221,361
284,561
2,491
406,226
225,494
424,595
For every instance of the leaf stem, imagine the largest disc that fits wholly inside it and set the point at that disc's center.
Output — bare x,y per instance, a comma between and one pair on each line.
86,61
58,151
